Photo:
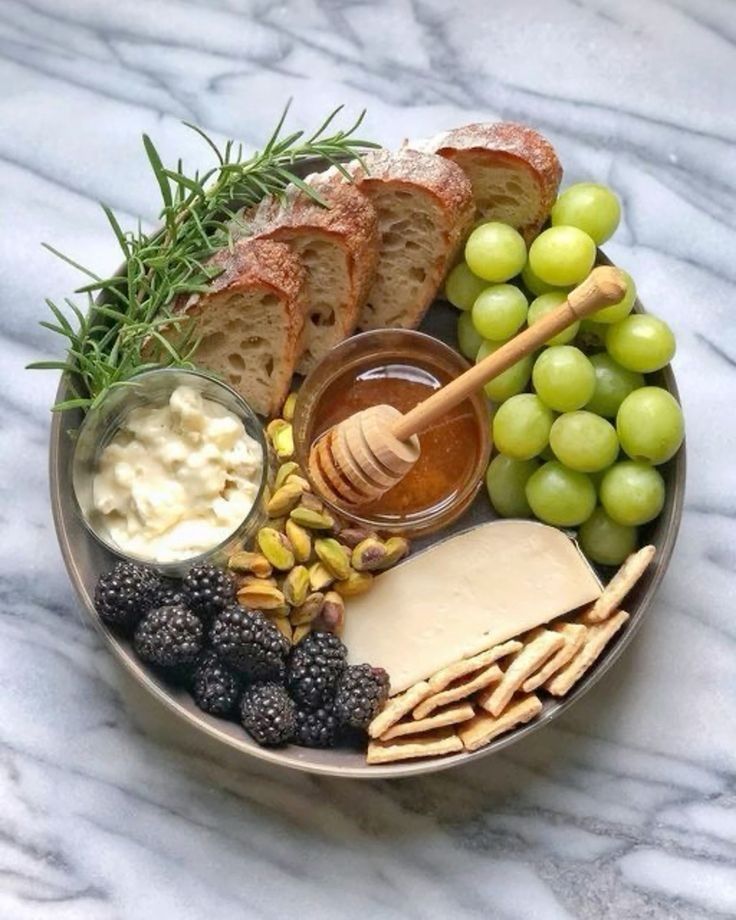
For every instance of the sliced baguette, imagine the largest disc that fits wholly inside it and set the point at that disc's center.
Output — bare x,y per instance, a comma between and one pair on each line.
425,208
250,322
514,171
338,247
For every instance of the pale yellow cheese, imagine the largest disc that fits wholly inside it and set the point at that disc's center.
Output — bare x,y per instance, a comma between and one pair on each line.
465,594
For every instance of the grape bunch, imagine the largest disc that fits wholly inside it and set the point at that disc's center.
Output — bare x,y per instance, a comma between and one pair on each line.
578,431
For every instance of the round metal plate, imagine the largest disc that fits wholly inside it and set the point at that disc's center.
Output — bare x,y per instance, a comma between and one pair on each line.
85,559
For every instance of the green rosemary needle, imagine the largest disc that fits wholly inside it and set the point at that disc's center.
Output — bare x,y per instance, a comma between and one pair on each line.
111,341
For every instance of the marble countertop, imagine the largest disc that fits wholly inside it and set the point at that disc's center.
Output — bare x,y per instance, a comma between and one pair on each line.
625,807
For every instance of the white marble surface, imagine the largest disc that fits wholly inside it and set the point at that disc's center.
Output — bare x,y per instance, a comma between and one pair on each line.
626,807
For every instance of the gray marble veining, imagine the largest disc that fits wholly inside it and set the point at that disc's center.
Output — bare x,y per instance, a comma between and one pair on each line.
626,807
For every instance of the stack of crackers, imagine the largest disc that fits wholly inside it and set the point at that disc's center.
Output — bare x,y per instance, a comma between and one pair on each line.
468,703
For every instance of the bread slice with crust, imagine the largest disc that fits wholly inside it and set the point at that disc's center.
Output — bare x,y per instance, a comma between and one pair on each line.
338,247
250,321
513,169
424,205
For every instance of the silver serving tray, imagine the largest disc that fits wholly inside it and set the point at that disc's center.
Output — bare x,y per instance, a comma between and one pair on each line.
85,559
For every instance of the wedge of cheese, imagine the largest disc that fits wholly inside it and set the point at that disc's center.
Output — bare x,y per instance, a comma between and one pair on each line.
464,595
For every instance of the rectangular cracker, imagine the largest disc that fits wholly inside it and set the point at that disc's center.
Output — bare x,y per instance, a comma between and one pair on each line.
458,691
459,669
397,707
597,638
484,727
544,643
574,636
450,716
619,586
430,745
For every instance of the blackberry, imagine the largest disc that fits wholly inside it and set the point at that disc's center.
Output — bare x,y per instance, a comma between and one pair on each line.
215,688
248,642
208,590
361,692
125,594
171,593
316,665
267,714
316,728
170,638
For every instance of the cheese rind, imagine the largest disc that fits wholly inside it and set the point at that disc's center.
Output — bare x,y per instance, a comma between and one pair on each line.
465,594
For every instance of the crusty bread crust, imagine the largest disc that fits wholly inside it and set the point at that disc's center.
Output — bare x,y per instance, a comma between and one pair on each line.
506,143
427,175
349,223
261,266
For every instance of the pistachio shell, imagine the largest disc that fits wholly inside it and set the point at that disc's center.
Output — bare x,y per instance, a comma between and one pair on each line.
276,548
352,536
396,549
289,406
309,610
284,499
333,556
312,520
300,539
260,597
320,577
284,471
296,586
332,616
248,562
369,555
356,583
300,632
284,627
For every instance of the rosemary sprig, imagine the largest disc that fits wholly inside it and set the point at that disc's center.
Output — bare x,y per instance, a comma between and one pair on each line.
111,342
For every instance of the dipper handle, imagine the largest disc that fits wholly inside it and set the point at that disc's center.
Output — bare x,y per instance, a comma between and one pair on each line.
603,287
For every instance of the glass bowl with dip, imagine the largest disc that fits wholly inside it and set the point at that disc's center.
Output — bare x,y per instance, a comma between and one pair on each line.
400,367
171,469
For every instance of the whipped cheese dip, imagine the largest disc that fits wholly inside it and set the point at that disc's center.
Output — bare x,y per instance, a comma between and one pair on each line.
177,480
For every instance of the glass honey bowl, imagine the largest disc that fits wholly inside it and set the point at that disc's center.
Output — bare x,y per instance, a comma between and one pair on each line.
401,368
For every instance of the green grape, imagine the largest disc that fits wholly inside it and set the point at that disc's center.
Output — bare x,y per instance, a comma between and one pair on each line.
499,311
589,207
544,304
584,441
536,285
641,342
462,287
592,336
632,493
650,425
506,481
562,256
613,384
604,541
563,378
468,339
512,381
559,496
521,426
618,311
495,251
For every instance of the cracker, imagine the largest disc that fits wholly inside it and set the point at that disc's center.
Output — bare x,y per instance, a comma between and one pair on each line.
544,643
459,669
430,745
619,586
597,638
397,707
483,727
574,636
450,716
458,691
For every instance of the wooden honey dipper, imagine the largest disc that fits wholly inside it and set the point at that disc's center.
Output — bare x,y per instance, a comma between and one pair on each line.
362,457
